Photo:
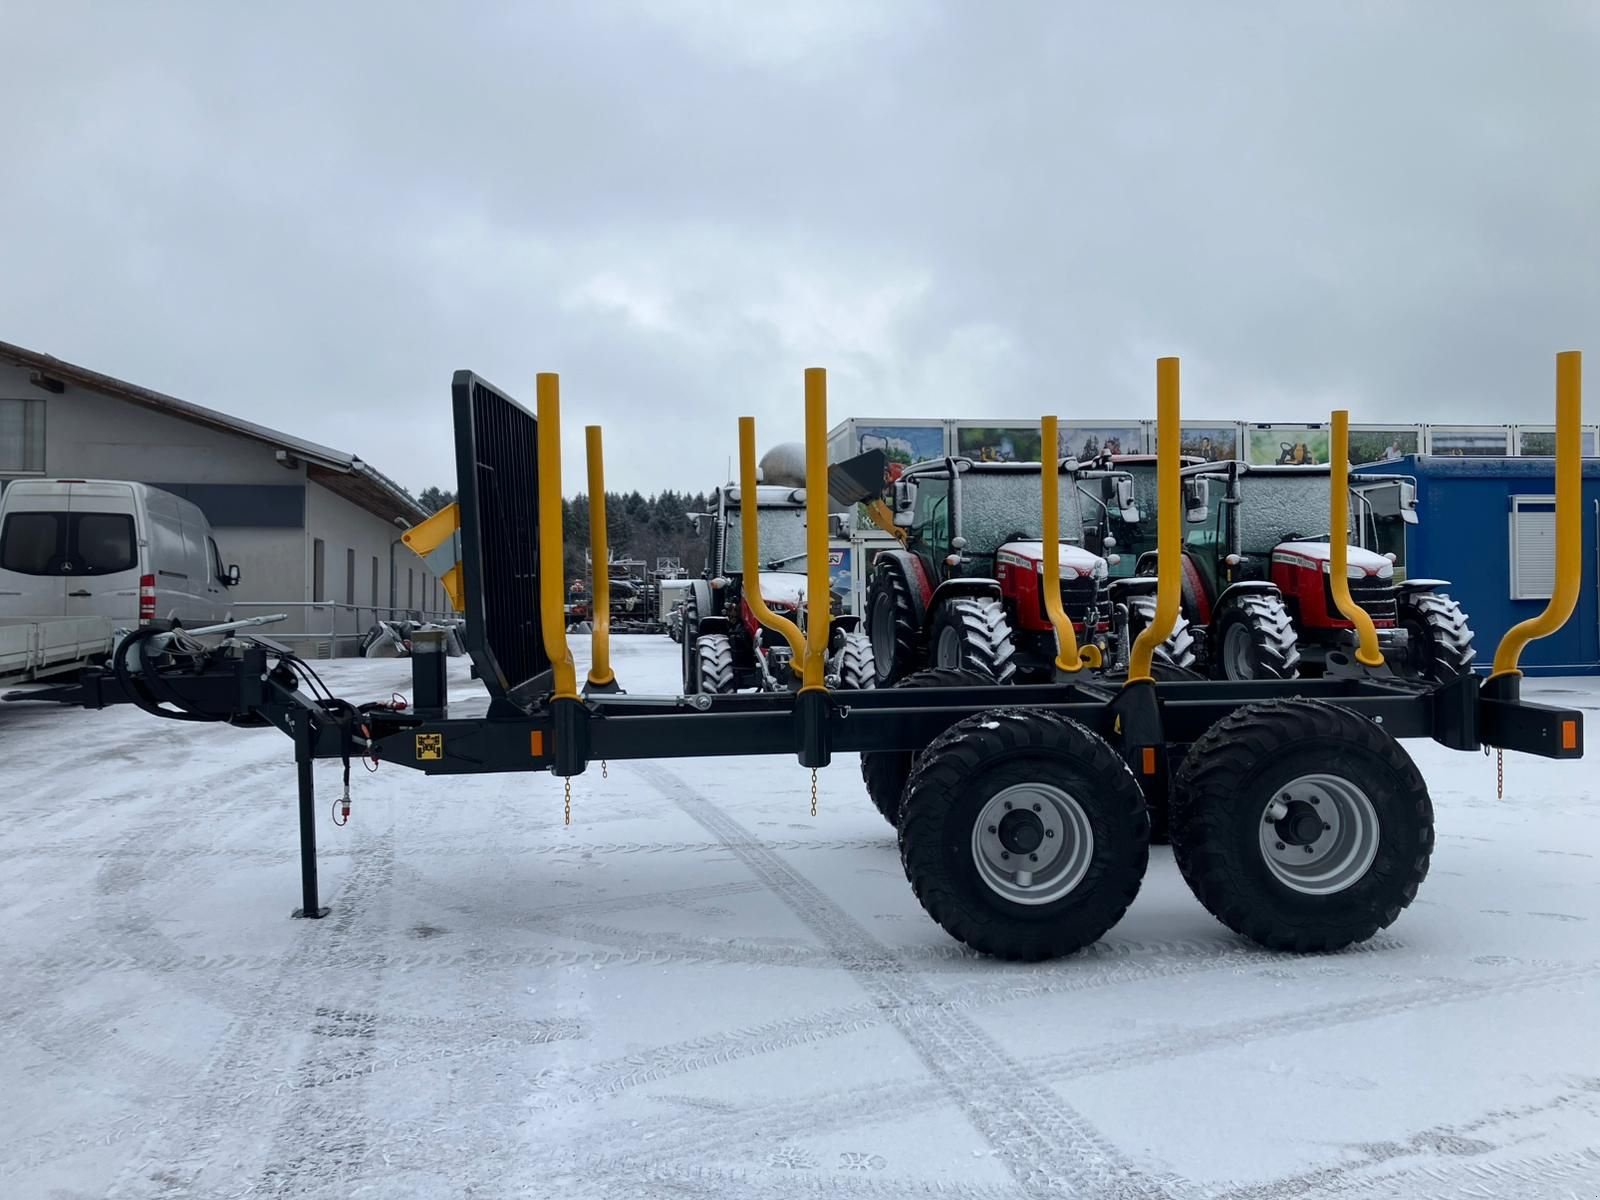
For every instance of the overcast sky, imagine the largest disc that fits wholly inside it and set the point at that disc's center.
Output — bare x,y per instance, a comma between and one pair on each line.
310,215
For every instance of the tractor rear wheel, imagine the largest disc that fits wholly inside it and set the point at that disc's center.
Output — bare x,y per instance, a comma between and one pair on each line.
714,663
1255,639
1439,640
691,634
1301,825
891,622
1023,834
971,633
1178,649
851,662
885,771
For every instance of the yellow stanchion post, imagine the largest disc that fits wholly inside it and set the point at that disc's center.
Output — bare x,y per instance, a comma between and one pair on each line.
552,617
1367,652
1068,659
600,673
750,549
819,593
1569,519
1169,523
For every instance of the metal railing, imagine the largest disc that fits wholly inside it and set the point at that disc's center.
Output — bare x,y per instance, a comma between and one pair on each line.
324,620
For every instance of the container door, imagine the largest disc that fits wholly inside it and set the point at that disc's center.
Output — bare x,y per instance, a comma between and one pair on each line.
102,564
33,551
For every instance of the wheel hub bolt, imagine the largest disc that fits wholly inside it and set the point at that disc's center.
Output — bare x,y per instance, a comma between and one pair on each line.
1004,855
1038,808
1309,850
1008,806
1033,858
1049,833
1279,845
1326,826
991,829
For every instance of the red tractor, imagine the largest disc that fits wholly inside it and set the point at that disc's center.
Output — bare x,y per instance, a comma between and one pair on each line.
966,591
1256,576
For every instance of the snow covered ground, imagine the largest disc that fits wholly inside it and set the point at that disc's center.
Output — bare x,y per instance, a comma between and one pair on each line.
699,991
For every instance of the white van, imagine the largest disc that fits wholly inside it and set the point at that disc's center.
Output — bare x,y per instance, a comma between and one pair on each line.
108,548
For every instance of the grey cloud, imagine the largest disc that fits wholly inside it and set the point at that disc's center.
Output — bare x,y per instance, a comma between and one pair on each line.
310,215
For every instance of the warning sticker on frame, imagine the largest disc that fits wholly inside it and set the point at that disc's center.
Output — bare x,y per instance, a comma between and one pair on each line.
430,746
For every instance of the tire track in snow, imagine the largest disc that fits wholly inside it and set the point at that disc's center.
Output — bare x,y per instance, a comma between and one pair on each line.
1045,1144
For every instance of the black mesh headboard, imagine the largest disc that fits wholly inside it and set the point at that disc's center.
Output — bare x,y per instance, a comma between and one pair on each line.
497,482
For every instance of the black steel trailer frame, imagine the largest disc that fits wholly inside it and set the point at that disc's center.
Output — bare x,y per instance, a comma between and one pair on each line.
508,479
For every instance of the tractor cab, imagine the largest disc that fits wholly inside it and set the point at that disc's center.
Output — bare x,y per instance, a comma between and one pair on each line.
1257,556
1120,532
966,592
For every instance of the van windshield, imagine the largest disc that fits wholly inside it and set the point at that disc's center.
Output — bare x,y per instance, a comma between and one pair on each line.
59,543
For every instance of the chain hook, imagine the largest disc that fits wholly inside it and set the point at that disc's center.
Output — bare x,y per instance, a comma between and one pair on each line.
567,819
1499,774
813,791
604,773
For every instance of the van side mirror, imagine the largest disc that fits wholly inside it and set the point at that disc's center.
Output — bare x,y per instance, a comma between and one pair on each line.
1196,500
232,578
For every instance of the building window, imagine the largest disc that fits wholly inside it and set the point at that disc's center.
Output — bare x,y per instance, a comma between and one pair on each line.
22,436
374,586
1533,547
319,571
350,578
411,588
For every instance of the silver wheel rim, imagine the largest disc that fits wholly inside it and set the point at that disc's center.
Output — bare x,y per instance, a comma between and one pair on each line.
949,651
1319,861
1032,843
1236,652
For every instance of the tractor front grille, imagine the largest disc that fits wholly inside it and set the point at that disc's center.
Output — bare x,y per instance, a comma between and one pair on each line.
1087,601
1378,597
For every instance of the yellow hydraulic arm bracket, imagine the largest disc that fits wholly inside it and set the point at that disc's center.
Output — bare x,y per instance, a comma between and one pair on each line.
1067,658
750,547
600,672
819,591
1367,652
1169,523
437,542
552,571
1569,519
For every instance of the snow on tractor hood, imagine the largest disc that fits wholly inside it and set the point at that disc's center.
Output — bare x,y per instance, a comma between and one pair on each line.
1075,560
1359,563
783,589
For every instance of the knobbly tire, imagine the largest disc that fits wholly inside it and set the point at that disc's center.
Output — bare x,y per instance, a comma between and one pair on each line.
1255,640
852,662
971,633
691,634
1178,650
714,661
1071,798
1440,640
1253,836
892,623
885,771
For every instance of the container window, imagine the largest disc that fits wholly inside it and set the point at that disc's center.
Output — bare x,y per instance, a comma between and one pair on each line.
1533,547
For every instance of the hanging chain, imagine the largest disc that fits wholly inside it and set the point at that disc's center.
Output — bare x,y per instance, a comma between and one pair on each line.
568,818
604,774
813,791
1499,774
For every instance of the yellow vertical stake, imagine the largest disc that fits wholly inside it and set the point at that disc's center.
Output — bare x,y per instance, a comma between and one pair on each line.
1569,518
600,672
1067,657
1367,652
819,593
1169,523
552,618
